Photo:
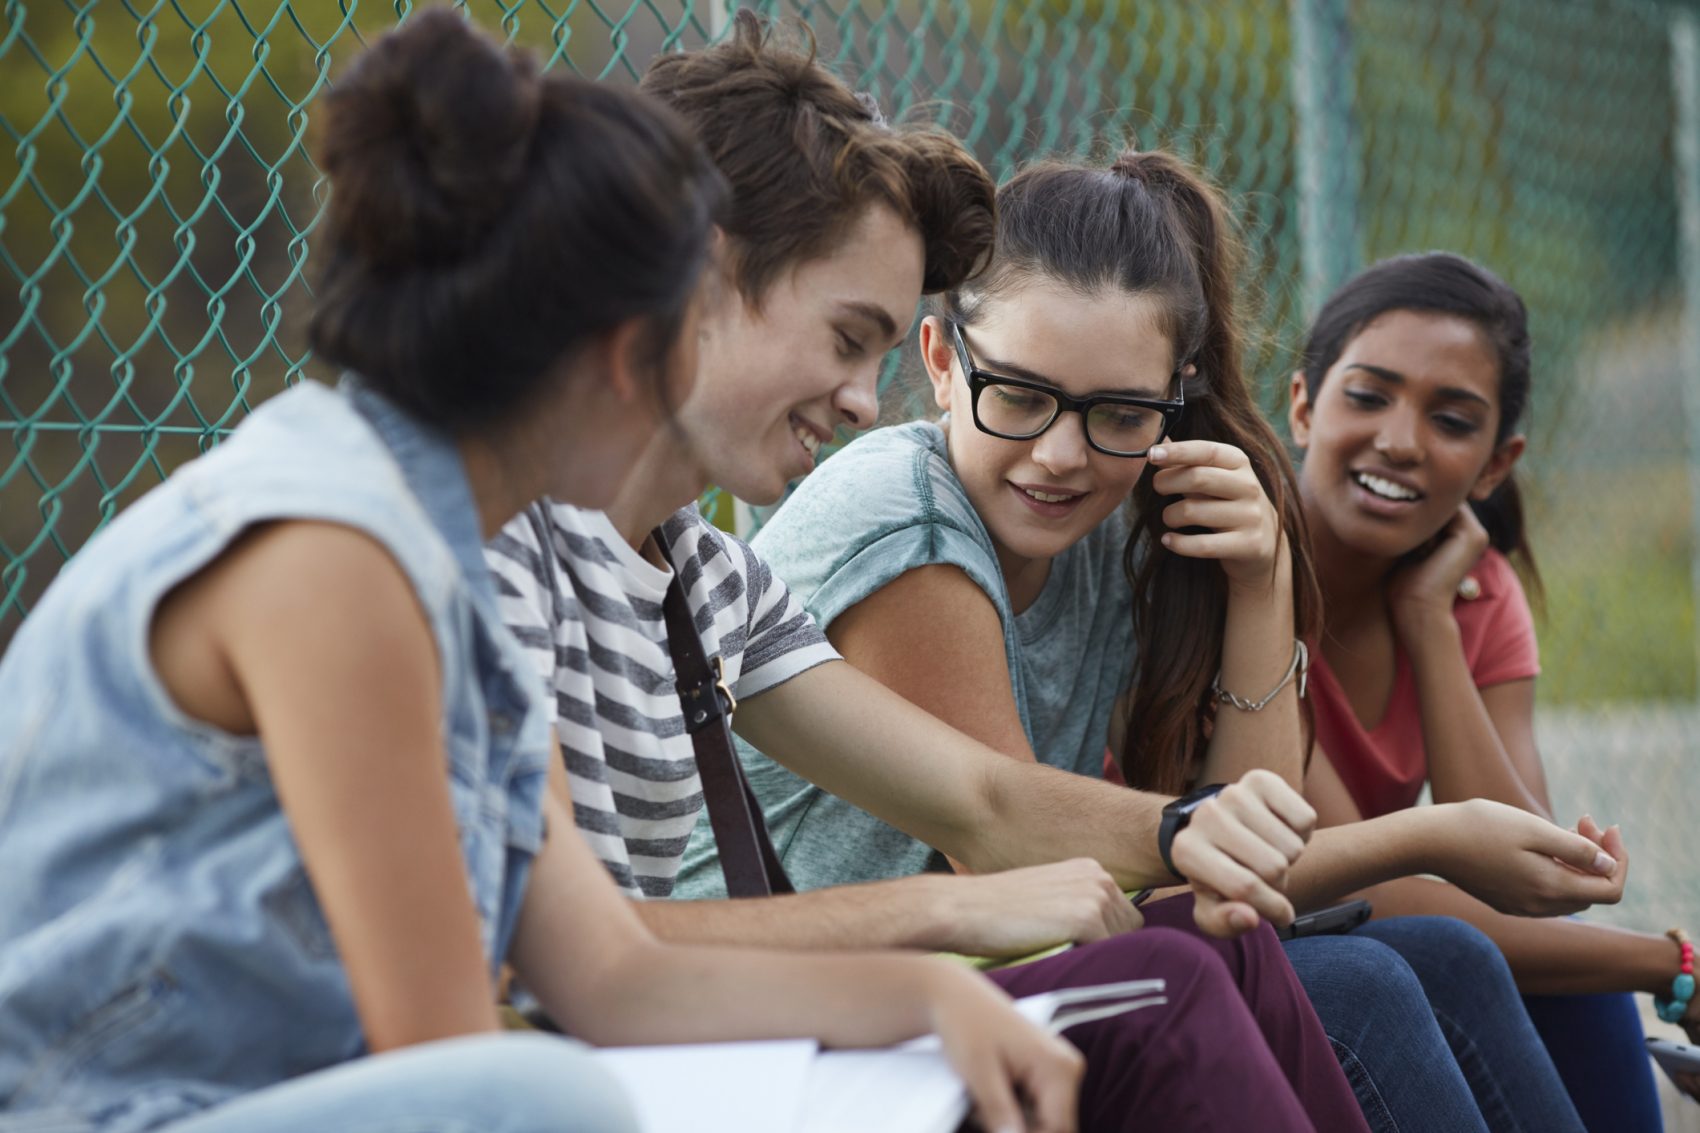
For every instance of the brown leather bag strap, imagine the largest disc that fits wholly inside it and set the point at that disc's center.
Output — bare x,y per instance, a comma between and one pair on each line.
747,857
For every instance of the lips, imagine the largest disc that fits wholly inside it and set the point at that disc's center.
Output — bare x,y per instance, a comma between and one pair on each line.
810,437
1047,500
1382,496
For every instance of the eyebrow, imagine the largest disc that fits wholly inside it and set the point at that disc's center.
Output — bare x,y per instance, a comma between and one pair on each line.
875,314
1010,369
1394,377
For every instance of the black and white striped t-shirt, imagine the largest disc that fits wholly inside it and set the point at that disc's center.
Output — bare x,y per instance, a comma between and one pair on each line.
587,609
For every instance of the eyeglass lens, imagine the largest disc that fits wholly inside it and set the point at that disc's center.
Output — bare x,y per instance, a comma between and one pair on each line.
1019,412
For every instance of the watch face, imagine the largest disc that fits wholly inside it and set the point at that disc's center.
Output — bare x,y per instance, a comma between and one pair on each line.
1189,802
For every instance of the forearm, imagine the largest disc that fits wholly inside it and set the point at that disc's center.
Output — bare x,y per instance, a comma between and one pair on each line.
1039,814
855,738
1548,956
1257,649
664,993
1465,756
1341,860
907,913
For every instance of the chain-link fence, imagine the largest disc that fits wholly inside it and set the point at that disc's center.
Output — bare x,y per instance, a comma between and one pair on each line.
157,201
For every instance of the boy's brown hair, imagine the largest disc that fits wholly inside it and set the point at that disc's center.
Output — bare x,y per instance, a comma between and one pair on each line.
805,155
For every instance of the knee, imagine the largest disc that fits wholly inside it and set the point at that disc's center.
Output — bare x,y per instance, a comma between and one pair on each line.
546,1085
1459,943
1352,978
1181,957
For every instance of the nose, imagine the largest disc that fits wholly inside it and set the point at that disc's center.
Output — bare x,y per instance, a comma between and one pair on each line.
1062,448
1398,440
857,401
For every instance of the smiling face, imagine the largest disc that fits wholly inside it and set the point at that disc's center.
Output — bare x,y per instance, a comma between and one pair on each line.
775,382
1401,432
1038,497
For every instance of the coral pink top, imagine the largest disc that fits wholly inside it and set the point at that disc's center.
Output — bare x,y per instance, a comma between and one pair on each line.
1384,766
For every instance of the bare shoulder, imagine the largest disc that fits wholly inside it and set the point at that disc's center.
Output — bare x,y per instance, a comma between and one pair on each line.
935,637
285,594
937,593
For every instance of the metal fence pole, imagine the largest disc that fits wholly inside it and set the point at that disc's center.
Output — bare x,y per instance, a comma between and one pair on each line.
1685,79
1329,160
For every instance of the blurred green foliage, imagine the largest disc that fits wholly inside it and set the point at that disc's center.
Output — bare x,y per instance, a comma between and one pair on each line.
158,197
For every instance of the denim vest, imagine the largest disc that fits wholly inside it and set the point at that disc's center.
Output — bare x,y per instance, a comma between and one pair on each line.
161,947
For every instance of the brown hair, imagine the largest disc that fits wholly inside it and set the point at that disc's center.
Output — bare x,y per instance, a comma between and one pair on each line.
805,155
485,221
1150,224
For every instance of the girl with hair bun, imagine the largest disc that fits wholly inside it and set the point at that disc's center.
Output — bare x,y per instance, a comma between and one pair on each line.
1408,407
273,773
1102,498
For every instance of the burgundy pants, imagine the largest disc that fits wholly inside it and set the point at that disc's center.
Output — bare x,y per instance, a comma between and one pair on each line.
1236,1047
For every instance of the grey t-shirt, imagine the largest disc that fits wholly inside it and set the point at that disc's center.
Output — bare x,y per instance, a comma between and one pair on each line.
887,504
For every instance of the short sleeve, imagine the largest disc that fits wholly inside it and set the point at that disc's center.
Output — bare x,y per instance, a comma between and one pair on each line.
528,593
782,639
1498,628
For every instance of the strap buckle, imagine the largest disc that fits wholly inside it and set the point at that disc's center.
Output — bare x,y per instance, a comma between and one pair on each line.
707,701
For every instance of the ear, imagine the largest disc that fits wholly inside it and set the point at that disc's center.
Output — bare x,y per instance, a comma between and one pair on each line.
616,354
1298,410
1498,467
938,355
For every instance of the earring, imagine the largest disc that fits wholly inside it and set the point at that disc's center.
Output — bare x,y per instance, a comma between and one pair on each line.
1469,589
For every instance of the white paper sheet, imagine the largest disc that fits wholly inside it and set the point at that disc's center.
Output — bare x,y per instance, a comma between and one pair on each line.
715,1087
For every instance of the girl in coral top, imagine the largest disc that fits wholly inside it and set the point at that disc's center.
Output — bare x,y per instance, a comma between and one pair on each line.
1414,380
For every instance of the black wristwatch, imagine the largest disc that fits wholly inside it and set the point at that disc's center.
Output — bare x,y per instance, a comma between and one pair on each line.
1176,816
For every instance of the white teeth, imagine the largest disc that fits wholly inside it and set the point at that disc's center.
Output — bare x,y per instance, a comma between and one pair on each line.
808,439
1386,489
1046,497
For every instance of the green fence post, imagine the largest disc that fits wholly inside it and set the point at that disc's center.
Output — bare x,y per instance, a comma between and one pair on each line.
1330,169
1685,79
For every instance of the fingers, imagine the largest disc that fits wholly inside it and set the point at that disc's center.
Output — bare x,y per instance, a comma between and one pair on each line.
991,1092
1279,796
1209,481
1053,1090
1207,865
1221,515
1171,454
1221,918
1280,833
1580,853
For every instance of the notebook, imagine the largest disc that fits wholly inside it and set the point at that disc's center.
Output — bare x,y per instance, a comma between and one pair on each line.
793,1087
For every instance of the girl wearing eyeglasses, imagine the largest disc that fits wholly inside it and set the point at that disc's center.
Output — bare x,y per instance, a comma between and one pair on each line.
1407,407
1102,498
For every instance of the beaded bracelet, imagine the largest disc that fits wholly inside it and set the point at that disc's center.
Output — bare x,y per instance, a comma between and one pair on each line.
1672,1010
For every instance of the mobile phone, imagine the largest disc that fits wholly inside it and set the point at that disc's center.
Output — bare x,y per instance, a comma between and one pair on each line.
1331,921
1676,1058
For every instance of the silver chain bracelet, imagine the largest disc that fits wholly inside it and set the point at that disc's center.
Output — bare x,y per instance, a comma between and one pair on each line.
1300,665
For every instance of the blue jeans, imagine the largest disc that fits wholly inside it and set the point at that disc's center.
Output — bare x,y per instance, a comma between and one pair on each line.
1597,1044
1428,1025
518,1083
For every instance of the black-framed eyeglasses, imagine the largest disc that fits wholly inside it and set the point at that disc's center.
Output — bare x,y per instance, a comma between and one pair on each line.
1018,410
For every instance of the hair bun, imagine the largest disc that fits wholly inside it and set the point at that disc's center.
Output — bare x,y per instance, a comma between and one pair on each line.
427,136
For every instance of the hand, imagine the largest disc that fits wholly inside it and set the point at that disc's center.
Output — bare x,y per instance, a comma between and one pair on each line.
1220,491
1019,1076
1523,865
1428,587
1237,850
1022,911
